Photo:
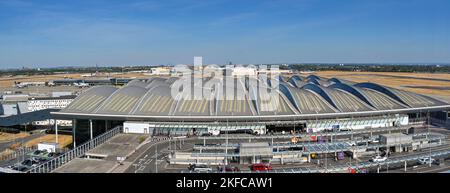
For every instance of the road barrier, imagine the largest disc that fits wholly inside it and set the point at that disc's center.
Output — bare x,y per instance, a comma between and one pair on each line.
79,151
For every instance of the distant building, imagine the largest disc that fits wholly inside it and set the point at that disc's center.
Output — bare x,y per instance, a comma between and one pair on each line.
278,71
161,71
60,94
90,82
21,105
241,71
49,103
13,104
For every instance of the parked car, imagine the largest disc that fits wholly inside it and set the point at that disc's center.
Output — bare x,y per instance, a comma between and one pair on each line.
37,152
426,160
228,168
53,154
200,168
39,159
29,162
375,140
19,168
206,134
378,159
261,167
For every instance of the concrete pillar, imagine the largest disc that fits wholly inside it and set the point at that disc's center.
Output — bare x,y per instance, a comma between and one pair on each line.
56,130
90,129
405,166
74,128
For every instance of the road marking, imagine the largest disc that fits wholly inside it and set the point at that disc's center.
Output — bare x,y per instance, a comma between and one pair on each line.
148,161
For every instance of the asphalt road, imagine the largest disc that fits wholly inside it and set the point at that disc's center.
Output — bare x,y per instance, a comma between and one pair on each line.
146,163
5,145
149,160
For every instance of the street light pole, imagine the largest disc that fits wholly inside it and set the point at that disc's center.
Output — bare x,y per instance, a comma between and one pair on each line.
428,127
156,159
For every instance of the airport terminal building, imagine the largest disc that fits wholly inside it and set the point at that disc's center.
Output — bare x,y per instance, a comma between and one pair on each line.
309,104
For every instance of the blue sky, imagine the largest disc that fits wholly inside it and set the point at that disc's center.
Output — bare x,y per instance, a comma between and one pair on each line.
49,33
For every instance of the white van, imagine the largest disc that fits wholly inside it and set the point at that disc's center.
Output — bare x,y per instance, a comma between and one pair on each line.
202,168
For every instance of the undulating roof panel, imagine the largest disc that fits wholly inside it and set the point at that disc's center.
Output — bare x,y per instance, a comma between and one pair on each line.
381,101
90,100
122,101
416,100
311,103
157,101
347,102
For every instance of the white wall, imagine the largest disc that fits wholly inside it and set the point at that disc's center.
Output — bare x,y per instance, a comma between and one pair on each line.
136,127
50,147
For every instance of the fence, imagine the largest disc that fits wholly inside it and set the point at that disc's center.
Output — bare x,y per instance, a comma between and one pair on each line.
79,151
17,153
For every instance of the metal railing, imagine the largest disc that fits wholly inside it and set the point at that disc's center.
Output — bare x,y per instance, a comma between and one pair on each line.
79,151
307,135
345,167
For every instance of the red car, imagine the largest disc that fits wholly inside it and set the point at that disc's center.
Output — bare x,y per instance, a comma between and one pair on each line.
261,167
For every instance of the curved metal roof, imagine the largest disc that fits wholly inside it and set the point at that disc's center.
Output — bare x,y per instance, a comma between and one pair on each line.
152,98
155,102
122,101
90,100
138,83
